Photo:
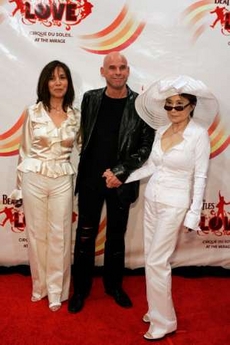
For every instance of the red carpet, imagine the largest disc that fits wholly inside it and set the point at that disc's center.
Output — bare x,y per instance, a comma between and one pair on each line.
202,305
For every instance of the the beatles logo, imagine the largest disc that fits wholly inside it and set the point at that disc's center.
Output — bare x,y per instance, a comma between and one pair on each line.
12,213
52,12
223,18
207,14
217,222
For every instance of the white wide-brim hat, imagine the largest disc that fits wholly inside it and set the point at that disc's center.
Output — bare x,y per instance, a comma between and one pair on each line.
150,104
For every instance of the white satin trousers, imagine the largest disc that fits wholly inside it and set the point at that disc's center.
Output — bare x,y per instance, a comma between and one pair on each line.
48,204
161,227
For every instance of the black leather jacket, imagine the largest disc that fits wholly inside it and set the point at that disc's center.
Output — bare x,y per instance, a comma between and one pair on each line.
134,142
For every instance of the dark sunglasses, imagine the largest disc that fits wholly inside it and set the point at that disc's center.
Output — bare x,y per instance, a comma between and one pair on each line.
177,107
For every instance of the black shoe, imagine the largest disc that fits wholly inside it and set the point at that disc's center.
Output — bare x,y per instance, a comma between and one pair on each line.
120,297
76,303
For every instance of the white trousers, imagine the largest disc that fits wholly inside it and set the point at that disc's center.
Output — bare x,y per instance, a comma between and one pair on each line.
161,226
48,205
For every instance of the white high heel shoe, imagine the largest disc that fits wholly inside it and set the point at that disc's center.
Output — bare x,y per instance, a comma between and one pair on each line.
35,298
149,336
55,306
145,318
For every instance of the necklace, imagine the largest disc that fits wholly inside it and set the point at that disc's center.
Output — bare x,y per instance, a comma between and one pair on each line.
58,110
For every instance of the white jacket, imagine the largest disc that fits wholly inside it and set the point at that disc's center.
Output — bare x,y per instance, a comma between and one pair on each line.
178,176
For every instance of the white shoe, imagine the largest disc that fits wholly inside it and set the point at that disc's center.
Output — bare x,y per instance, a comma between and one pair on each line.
149,336
145,318
55,306
35,298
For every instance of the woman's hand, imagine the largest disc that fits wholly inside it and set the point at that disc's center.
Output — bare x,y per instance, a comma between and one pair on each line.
185,229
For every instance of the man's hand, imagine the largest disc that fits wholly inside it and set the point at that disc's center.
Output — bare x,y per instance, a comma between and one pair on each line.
111,180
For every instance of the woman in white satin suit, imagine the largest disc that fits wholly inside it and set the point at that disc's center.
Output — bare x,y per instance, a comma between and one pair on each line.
45,182
181,109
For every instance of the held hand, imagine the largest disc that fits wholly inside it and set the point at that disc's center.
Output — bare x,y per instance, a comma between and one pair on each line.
111,180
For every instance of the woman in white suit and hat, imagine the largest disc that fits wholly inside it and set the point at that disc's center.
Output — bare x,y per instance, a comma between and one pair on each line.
181,110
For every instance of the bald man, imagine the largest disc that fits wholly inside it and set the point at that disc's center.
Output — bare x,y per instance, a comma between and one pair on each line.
115,142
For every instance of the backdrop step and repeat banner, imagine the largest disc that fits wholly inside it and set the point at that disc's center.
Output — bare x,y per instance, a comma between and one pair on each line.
158,38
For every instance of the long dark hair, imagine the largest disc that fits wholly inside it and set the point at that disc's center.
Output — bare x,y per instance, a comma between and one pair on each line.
192,100
43,89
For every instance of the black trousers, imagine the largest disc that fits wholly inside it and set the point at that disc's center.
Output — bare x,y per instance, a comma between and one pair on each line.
90,203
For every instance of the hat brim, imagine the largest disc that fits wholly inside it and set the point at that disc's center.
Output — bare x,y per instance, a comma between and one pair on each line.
150,104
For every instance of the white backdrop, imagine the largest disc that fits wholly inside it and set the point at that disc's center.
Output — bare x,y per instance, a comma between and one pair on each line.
158,37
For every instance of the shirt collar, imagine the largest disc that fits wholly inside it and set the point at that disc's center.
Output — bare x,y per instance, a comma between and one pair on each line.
187,132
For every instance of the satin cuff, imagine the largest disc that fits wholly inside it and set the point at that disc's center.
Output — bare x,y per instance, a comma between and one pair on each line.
16,194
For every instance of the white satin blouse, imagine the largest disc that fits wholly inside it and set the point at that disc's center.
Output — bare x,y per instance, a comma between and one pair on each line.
178,176
46,149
